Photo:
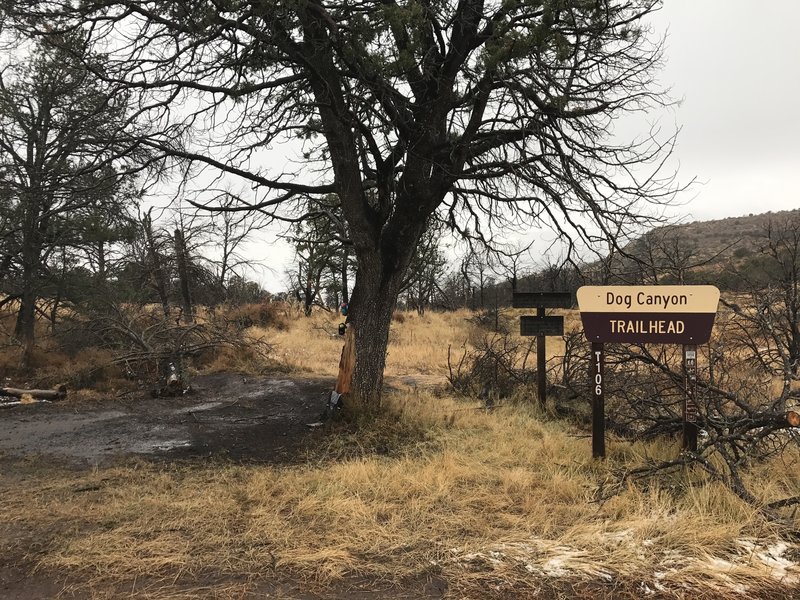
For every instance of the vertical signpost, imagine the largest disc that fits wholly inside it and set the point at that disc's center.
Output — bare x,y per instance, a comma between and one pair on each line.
541,326
541,359
690,399
663,314
596,375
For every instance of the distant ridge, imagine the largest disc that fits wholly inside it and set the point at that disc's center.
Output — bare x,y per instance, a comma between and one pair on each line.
728,253
730,238
706,248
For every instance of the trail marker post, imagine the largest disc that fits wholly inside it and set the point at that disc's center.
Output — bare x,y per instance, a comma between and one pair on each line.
541,326
596,377
657,314
690,399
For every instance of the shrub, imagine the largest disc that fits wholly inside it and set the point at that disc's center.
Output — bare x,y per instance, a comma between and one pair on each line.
267,315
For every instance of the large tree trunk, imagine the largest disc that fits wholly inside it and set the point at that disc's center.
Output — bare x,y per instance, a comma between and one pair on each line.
24,329
101,262
26,320
372,304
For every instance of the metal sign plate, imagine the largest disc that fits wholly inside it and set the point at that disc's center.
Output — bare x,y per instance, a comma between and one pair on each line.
541,300
658,314
532,325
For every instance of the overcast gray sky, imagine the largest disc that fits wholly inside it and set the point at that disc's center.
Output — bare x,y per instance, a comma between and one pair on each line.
735,65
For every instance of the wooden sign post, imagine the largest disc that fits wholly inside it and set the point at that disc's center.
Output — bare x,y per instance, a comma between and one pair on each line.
690,403
541,326
658,314
596,375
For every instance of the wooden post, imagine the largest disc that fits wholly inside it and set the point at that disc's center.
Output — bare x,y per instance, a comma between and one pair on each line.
541,326
597,383
541,363
690,401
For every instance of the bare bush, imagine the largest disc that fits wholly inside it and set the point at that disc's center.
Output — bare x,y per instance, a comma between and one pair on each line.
742,412
151,346
493,369
265,314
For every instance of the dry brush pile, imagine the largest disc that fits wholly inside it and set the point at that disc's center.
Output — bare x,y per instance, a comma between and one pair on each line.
103,347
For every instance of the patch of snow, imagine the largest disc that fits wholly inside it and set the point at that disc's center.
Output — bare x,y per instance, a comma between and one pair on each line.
771,557
153,446
555,567
542,557
171,445
198,408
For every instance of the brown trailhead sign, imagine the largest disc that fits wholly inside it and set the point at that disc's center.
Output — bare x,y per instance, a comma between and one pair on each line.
657,314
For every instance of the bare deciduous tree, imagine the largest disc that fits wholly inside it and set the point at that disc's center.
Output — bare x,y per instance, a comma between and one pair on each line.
488,115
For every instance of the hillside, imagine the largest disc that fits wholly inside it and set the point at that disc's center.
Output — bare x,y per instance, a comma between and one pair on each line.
720,252
729,238
726,252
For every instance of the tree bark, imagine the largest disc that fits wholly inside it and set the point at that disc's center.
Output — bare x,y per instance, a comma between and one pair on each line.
345,292
26,321
183,275
31,251
25,327
372,304
157,272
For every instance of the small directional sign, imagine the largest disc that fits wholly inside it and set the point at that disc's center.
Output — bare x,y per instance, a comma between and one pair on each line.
541,326
548,325
542,300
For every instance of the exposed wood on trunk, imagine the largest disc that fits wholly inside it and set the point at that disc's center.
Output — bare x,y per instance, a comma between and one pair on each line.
59,393
347,362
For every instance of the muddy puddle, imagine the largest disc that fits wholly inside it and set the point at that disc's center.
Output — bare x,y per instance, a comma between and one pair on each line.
227,415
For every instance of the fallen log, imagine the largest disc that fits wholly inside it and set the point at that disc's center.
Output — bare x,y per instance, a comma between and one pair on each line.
58,393
21,402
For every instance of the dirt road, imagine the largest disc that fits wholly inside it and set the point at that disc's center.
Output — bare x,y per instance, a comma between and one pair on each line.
261,419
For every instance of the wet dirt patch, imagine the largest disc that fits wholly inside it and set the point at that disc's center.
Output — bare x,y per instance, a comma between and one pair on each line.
258,419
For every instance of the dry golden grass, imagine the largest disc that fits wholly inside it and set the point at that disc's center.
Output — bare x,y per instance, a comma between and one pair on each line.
474,495
418,344
503,498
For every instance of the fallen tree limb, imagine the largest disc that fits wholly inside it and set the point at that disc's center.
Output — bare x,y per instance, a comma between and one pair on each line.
21,402
59,393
